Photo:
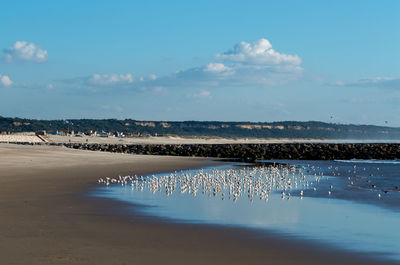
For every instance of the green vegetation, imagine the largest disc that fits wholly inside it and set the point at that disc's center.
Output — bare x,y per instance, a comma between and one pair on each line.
284,129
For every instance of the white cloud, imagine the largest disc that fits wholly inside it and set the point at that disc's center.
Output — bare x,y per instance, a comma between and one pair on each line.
153,77
216,68
379,82
203,94
260,52
5,81
22,51
116,80
110,79
246,65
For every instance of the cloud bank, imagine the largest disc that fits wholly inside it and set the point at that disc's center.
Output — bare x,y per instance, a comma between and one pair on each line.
22,51
247,64
5,81
203,94
110,79
378,82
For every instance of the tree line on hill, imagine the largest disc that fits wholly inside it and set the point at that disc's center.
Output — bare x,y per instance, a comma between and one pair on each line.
284,129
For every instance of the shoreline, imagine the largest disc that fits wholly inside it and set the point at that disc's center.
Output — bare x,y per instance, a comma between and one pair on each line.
47,218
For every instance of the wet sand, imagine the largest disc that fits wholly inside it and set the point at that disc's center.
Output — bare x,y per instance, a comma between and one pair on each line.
46,218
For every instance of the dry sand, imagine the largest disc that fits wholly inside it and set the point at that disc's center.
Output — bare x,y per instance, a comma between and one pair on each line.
45,218
173,140
19,138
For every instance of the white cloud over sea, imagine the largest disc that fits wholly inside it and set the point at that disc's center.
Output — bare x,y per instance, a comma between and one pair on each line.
22,51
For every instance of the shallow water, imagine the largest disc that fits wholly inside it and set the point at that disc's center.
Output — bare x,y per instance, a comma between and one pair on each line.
350,218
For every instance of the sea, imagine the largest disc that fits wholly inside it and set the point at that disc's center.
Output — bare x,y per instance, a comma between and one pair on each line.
350,205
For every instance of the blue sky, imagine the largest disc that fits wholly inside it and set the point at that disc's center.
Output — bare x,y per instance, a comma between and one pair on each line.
335,61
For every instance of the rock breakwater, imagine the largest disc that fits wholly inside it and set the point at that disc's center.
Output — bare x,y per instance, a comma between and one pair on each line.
252,152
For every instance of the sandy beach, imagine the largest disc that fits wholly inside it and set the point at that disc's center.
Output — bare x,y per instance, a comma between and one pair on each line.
196,140
31,138
46,218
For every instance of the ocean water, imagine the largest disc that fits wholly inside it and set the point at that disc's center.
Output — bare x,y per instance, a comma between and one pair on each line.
352,205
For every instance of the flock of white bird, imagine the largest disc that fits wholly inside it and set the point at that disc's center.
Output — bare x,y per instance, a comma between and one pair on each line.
232,184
